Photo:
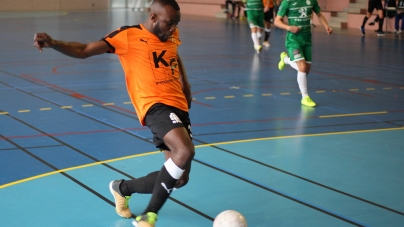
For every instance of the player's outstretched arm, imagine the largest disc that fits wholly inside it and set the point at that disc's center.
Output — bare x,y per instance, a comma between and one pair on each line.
324,22
71,49
186,86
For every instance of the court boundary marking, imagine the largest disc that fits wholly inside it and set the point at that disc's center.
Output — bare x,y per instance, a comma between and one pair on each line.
197,146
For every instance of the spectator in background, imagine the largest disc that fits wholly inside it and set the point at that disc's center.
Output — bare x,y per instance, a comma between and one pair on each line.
399,16
235,7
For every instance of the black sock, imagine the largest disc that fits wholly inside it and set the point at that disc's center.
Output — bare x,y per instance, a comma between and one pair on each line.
266,37
381,24
142,185
364,22
163,187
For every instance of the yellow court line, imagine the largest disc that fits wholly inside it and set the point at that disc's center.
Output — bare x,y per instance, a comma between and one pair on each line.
229,96
248,95
127,103
210,97
285,93
3,113
387,88
267,94
354,89
354,114
45,108
108,104
370,89
320,91
198,146
299,136
66,107
24,111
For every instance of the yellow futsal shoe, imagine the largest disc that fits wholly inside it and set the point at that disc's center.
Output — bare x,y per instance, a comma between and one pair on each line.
281,64
121,202
258,48
308,102
146,220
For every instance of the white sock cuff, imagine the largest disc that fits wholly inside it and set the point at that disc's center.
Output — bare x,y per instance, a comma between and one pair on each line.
267,29
173,169
301,73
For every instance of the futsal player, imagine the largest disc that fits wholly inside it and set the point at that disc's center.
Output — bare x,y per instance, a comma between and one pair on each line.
298,39
255,15
158,87
372,5
268,19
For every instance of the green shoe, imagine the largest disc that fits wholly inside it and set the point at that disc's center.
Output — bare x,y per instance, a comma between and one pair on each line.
308,102
281,64
145,220
258,48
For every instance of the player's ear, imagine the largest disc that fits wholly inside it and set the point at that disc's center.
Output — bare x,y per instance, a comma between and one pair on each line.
153,17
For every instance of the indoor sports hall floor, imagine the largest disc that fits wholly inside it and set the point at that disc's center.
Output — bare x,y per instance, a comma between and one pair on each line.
67,128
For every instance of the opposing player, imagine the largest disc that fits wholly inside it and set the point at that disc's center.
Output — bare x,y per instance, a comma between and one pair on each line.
255,15
158,87
298,39
268,19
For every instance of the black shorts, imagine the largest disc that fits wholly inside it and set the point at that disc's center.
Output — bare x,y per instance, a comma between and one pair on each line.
375,4
269,15
161,119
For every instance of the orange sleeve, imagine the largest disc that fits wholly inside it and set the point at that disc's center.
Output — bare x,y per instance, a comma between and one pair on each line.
118,41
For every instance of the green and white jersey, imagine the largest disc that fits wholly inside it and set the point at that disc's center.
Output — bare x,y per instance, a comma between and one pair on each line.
299,12
254,5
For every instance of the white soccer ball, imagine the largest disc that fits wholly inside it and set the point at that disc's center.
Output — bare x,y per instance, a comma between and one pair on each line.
230,218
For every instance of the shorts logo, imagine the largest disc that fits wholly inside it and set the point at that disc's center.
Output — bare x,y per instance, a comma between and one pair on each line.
190,131
296,54
174,118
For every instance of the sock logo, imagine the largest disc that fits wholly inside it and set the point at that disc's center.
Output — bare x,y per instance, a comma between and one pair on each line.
174,118
165,187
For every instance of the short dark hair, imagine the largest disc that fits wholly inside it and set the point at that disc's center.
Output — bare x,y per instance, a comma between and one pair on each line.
171,3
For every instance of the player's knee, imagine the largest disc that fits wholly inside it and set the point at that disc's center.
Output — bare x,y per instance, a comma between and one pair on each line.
184,156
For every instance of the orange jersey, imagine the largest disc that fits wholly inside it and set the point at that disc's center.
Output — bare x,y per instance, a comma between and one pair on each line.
271,3
150,67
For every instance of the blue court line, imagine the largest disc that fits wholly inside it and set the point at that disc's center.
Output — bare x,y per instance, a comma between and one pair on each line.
295,199
76,111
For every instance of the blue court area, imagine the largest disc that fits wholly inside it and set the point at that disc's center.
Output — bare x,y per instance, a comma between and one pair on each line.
67,128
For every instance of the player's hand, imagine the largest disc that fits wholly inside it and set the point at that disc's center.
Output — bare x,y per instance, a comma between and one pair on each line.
329,30
294,29
43,40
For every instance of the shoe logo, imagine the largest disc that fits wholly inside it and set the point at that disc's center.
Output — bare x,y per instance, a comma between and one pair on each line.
174,118
145,41
165,187
294,4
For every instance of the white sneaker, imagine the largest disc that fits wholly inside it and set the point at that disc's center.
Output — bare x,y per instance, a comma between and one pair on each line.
266,44
399,31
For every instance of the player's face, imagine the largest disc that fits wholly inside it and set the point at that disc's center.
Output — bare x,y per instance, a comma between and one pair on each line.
166,24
